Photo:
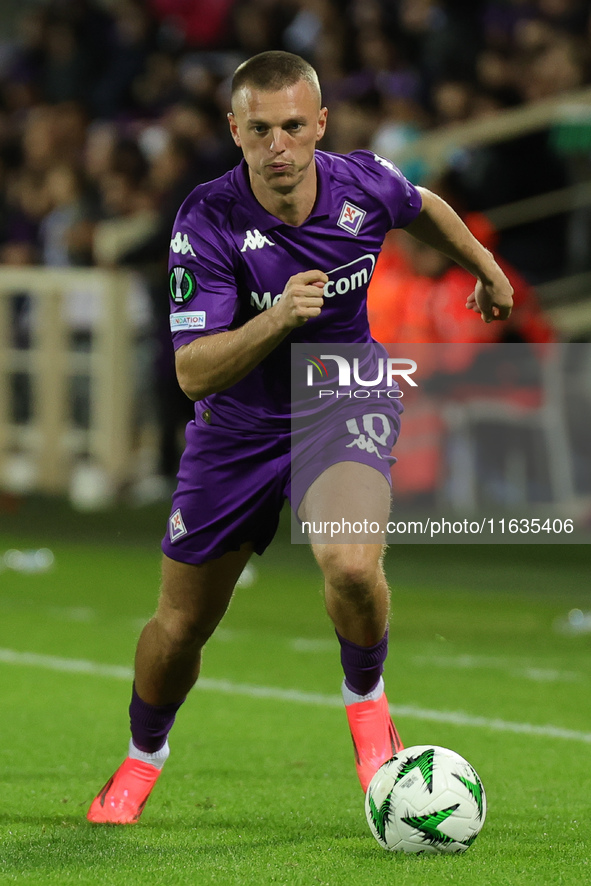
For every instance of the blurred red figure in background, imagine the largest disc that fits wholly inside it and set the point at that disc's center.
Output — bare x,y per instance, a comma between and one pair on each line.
417,295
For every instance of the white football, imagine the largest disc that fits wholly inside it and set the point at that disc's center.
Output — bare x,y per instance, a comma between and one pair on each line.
426,800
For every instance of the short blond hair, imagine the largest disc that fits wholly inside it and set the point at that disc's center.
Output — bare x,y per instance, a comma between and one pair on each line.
274,70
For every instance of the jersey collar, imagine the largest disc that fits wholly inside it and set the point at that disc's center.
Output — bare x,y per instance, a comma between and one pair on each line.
257,215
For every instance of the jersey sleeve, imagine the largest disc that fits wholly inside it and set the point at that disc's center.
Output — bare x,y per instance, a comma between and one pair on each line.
202,282
400,198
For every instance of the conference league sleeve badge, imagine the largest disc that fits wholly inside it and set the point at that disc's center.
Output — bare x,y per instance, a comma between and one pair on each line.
183,285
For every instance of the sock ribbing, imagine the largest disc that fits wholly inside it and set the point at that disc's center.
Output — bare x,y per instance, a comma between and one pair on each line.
363,665
150,724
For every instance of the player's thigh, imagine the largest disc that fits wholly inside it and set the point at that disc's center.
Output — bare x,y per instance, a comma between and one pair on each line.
349,503
347,508
193,599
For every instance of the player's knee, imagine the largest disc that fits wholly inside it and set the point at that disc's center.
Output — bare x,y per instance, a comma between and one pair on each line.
350,568
182,629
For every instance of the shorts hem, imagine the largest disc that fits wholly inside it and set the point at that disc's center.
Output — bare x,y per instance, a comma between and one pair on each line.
198,558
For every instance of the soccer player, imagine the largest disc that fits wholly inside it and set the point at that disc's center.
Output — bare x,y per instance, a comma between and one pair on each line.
274,252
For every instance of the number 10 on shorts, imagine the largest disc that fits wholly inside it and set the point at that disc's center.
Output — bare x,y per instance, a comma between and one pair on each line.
376,430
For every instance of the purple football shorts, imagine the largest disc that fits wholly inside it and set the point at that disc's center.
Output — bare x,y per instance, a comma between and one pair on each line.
232,484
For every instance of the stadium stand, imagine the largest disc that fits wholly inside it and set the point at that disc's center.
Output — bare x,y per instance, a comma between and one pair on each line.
110,110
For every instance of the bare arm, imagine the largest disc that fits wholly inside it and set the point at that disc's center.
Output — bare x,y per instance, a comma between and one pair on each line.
215,362
439,226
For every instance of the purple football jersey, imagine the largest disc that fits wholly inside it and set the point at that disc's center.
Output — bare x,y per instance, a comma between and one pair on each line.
230,259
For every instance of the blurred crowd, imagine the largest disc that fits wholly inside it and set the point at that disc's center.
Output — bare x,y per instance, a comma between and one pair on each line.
111,111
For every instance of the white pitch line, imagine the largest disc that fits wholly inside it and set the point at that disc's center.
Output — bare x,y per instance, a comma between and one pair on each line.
297,696
71,665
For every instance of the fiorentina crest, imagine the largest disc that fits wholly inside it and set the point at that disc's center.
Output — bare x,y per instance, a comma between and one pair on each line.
176,525
351,218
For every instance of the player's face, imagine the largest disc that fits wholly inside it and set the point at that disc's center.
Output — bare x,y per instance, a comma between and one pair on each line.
278,132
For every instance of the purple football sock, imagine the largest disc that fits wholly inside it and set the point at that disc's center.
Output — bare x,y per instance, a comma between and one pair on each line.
363,665
150,724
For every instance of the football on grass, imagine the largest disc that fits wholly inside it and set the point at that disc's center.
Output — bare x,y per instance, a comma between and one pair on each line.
426,800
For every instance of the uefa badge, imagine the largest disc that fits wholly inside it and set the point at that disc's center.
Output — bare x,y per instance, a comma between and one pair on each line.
183,285
176,525
351,218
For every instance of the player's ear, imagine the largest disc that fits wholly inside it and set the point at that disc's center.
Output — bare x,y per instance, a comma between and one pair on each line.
321,125
233,128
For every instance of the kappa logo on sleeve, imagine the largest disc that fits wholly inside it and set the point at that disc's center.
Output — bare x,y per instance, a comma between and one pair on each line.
383,162
187,321
183,285
180,244
351,218
176,525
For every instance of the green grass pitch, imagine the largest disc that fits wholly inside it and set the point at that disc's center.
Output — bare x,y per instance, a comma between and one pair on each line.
260,787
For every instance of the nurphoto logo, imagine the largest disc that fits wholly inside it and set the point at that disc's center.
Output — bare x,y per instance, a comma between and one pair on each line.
384,371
